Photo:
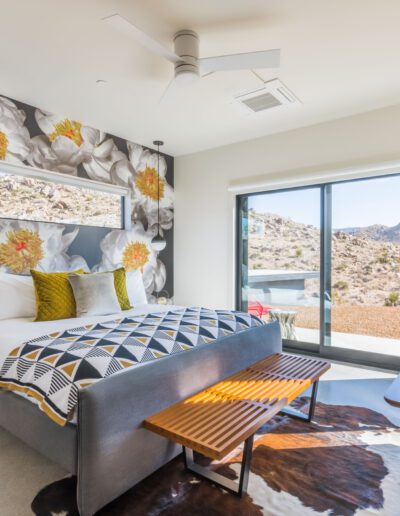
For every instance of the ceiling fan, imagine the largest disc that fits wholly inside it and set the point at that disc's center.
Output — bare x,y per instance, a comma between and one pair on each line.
185,57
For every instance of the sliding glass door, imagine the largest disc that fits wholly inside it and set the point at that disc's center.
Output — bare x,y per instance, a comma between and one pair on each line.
280,260
366,266
325,262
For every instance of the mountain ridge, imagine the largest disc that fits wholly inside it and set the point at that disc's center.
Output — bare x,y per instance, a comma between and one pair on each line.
377,232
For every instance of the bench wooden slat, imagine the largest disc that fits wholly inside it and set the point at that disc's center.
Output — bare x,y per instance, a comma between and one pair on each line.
216,420
235,438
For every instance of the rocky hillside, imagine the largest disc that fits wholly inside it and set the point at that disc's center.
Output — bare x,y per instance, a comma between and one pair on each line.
33,199
365,270
376,232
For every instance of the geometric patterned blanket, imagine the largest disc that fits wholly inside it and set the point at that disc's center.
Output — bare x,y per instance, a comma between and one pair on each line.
53,368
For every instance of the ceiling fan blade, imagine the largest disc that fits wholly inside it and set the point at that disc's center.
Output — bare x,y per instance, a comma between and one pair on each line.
206,74
167,91
249,60
122,24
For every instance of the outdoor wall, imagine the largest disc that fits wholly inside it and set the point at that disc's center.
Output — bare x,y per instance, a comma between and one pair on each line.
204,206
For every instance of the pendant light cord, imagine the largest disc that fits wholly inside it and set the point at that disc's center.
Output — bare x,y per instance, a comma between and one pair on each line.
158,188
158,197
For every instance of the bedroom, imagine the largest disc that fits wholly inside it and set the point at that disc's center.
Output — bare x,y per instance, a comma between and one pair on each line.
186,190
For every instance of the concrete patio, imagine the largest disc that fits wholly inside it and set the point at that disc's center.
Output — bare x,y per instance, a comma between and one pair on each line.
352,341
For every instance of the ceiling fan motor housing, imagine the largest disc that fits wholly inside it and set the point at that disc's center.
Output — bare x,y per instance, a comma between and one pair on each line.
186,44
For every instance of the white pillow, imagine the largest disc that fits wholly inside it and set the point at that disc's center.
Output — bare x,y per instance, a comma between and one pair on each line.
135,288
94,294
17,296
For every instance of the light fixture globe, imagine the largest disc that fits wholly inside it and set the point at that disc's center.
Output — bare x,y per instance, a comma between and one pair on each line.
186,75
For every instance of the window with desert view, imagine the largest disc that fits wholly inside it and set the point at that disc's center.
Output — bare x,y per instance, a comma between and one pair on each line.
29,198
361,290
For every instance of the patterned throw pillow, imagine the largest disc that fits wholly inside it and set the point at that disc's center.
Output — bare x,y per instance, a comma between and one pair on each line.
54,295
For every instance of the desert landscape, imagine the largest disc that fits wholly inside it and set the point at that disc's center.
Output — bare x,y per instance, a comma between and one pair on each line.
365,271
33,199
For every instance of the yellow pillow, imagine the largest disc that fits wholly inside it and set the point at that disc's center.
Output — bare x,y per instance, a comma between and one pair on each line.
120,288
54,295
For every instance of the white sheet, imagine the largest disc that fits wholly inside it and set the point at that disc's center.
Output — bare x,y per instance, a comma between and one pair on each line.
14,332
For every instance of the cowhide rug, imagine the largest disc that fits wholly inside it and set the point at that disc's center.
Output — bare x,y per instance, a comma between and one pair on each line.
346,462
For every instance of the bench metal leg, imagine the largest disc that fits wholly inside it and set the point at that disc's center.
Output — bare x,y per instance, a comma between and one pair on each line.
289,411
237,488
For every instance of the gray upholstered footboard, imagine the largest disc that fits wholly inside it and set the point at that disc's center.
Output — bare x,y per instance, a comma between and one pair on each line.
114,451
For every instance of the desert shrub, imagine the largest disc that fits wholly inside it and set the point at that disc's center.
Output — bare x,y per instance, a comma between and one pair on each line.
383,258
392,299
341,266
337,298
341,285
299,252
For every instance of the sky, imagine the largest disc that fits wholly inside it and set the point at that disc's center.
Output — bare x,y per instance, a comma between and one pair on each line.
354,204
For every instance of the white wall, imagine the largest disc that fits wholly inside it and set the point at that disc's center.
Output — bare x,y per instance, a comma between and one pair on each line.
204,208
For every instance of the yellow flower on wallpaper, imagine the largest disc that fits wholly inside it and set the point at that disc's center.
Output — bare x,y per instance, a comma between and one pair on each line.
140,173
146,181
132,249
67,144
3,145
26,245
22,251
69,129
135,256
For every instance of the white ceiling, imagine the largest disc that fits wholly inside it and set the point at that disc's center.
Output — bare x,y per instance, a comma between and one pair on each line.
340,57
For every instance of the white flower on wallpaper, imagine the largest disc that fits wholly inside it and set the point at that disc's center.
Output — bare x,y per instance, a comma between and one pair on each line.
33,245
101,154
139,173
66,144
15,144
60,147
132,249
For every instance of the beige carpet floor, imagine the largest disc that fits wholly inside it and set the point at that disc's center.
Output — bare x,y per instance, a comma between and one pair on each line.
23,472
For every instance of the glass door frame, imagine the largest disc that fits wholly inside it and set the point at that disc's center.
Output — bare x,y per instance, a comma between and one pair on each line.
324,348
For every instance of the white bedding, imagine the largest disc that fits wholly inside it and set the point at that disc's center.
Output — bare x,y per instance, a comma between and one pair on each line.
14,332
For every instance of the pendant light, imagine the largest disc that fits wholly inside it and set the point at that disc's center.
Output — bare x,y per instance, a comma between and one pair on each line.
158,243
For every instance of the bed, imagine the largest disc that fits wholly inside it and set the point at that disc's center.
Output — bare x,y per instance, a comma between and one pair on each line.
105,444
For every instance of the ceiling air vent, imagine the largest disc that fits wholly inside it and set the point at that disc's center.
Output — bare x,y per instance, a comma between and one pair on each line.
273,94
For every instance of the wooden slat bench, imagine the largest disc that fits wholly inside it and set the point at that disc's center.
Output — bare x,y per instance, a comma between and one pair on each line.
215,421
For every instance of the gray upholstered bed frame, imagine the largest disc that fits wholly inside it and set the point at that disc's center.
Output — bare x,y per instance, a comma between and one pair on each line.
108,449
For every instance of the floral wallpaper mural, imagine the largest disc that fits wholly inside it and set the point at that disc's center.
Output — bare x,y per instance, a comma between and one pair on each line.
28,245
133,250
33,137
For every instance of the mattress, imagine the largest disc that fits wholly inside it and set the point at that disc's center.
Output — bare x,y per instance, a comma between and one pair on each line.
14,332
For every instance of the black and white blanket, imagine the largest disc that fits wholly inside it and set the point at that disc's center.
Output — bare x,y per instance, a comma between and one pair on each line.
52,368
